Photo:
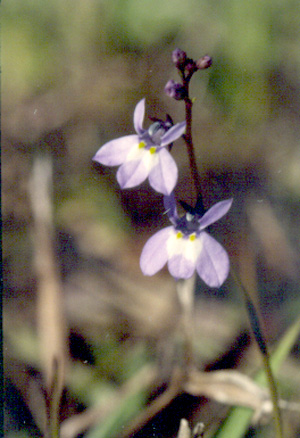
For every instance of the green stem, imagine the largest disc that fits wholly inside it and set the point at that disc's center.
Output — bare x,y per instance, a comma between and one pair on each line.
263,348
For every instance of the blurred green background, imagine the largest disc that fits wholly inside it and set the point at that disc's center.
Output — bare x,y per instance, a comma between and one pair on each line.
73,72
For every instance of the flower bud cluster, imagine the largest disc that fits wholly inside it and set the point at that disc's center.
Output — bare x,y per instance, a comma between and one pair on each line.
184,64
187,67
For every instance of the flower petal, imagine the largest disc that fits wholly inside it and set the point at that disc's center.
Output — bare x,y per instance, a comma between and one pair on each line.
183,254
173,134
180,267
170,207
215,213
155,255
213,261
132,173
163,176
138,117
115,152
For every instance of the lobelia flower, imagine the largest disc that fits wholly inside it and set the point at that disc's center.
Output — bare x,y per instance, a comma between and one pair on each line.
144,155
186,247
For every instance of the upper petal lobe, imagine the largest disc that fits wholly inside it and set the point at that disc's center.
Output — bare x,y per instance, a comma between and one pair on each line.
138,117
173,133
170,207
215,213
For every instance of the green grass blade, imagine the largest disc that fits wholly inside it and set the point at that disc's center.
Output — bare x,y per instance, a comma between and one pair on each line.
128,409
237,422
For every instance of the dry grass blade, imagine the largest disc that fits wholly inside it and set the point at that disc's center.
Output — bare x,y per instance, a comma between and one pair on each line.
50,316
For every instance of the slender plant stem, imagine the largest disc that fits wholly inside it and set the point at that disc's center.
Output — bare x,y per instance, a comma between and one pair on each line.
189,140
186,294
263,348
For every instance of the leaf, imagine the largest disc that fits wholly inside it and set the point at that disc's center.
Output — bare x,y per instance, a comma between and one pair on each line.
120,417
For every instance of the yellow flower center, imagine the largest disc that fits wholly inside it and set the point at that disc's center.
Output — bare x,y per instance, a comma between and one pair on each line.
152,150
192,237
142,144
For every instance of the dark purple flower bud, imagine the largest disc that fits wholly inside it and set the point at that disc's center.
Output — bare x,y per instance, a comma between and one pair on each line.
175,90
179,58
204,62
190,66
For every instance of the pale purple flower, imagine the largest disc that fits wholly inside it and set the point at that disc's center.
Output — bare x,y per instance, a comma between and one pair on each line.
186,247
144,155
